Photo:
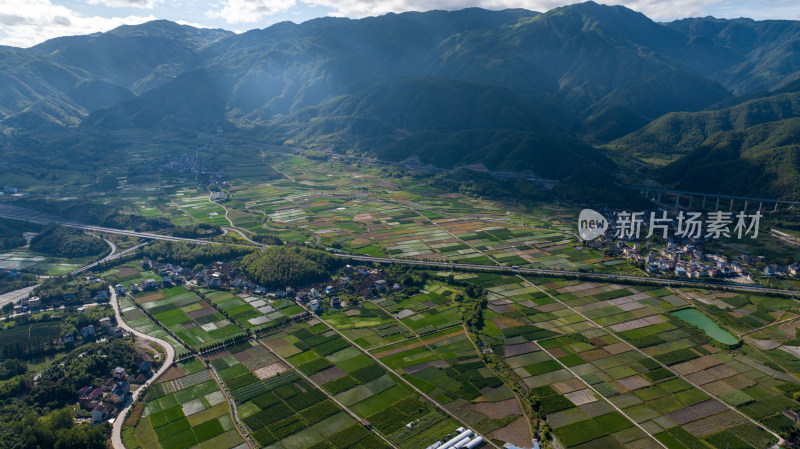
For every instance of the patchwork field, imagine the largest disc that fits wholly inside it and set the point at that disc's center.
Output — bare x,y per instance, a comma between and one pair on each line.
184,409
188,316
614,368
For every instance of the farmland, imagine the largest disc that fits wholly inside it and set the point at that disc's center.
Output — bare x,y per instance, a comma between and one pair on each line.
592,364
361,209
184,409
609,365
188,316
590,350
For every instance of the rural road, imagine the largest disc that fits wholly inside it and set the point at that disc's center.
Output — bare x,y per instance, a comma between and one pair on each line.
116,431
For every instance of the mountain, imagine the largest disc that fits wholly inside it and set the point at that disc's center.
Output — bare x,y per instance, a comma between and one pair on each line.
761,160
600,63
681,132
61,81
768,51
445,123
136,57
511,89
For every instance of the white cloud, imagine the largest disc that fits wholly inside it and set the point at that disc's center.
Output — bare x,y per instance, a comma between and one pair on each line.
249,11
191,24
655,9
144,4
29,22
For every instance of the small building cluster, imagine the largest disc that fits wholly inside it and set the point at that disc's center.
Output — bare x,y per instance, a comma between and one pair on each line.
359,281
113,395
106,326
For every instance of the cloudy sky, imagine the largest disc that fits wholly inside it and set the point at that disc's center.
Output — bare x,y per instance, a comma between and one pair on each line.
27,22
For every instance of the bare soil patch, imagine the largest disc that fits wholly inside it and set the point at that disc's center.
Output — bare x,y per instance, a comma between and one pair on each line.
517,433
498,410
149,298
270,370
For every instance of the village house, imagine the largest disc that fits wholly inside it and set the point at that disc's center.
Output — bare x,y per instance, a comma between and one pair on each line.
99,413
87,331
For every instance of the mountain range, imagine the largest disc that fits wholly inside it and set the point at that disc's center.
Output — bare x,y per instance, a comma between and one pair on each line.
552,92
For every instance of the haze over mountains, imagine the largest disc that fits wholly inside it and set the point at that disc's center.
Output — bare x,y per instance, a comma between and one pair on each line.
512,89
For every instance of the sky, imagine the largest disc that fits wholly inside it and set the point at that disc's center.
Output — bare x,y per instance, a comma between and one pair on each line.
24,23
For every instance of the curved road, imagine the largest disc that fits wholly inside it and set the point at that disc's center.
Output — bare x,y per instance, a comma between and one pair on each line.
116,431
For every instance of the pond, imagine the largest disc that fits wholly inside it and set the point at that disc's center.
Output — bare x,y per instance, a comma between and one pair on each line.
695,317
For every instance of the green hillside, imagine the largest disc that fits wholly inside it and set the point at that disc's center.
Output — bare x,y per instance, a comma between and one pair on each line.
762,160
680,132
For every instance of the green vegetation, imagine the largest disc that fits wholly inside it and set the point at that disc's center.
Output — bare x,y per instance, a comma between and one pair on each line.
283,266
57,288
190,254
56,429
11,233
62,241
98,214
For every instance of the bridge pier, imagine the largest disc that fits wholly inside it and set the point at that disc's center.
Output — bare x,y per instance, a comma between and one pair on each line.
691,197
677,200
776,207
745,206
717,206
731,208
760,205
658,200
704,203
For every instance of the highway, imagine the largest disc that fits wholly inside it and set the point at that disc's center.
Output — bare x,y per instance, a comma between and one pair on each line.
16,295
18,213
108,258
714,285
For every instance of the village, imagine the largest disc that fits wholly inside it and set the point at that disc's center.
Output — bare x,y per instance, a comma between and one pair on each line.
688,259
359,281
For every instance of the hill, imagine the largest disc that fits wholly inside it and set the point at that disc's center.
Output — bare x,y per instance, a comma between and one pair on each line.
762,160
681,132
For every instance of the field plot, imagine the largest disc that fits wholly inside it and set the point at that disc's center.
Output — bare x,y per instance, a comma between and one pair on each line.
446,366
252,312
25,259
660,372
137,319
198,207
192,319
436,356
356,382
401,218
281,409
368,325
184,409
